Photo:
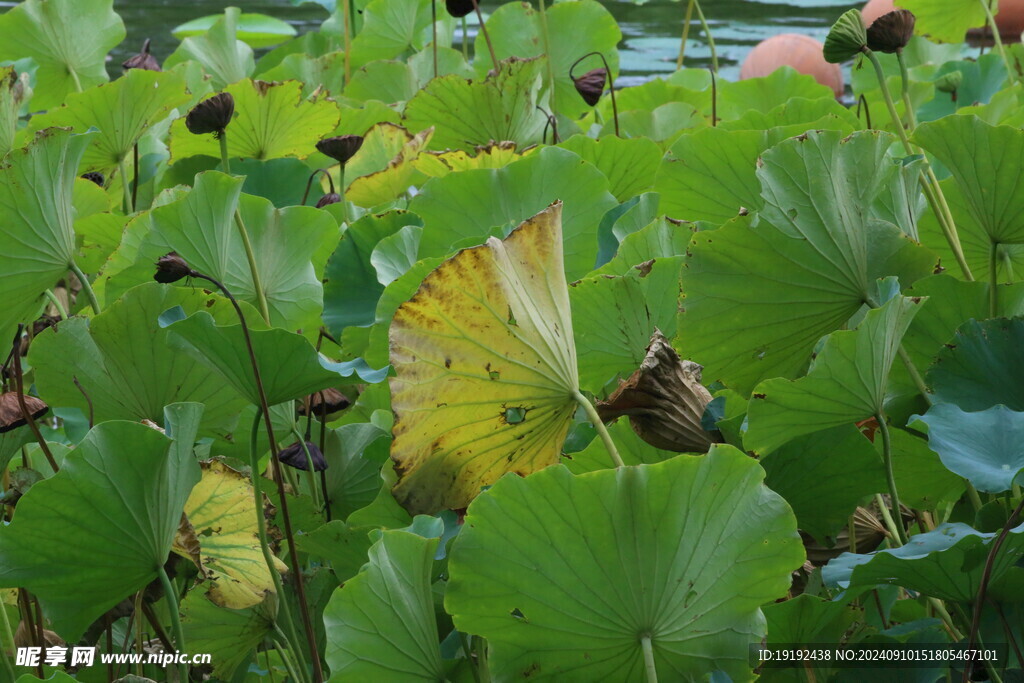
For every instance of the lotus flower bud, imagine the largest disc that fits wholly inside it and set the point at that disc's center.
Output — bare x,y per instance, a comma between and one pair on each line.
329,198
211,115
295,456
949,82
892,31
846,38
171,268
11,416
458,8
590,85
340,148
143,60
94,176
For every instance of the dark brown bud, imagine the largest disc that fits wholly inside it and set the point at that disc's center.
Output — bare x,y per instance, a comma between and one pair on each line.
590,85
330,198
95,176
295,456
325,402
458,8
171,268
340,148
11,416
143,60
892,31
211,115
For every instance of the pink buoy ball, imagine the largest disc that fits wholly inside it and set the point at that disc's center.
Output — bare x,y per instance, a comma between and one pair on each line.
801,52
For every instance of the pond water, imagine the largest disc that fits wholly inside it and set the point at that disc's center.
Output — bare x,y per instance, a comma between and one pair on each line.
651,31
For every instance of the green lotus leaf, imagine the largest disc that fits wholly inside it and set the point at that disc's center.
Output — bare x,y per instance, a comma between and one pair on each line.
808,619
343,546
798,113
945,21
389,28
986,447
629,164
467,412
466,113
946,563
980,366
122,361
660,239
384,80
105,522
201,227
460,207
271,120
122,111
380,624
984,160
325,73
759,297
766,94
846,383
12,95
576,29
355,453
662,124
36,185
922,480
229,635
846,38
396,254
611,326
567,576
256,30
824,476
384,167
351,283
67,39
632,449
224,57
289,365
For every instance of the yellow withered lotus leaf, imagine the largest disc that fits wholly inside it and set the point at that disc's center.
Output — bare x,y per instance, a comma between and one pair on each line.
485,368
221,513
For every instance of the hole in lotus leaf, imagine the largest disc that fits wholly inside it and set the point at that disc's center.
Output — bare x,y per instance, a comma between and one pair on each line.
511,318
494,374
517,614
514,416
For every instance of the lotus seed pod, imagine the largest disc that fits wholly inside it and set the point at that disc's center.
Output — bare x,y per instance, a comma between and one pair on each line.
590,85
458,8
211,115
94,176
327,199
340,148
11,416
327,401
171,268
143,60
295,456
891,32
846,38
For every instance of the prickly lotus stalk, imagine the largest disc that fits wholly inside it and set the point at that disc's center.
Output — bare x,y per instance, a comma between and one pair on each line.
143,60
846,38
211,115
891,32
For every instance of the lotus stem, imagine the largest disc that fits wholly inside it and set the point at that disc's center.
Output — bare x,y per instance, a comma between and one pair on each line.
707,32
547,48
649,668
19,387
986,575
890,477
905,91
611,84
135,174
602,431
714,100
88,401
310,472
998,41
348,39
867,110
126,185
480,647
433,29
931,187
915,376
225,160
686,35
61,311
309,184
487,37
465,41
86,287
947,619
257,284
172,606
8,637
139,641
276,462
341,193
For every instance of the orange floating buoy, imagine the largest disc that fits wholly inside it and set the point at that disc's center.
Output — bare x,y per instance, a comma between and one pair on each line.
801,52
1009,19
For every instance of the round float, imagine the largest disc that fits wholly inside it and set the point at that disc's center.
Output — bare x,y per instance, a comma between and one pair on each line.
801,52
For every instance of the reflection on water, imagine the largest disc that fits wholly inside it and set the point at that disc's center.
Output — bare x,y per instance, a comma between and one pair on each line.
650,31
